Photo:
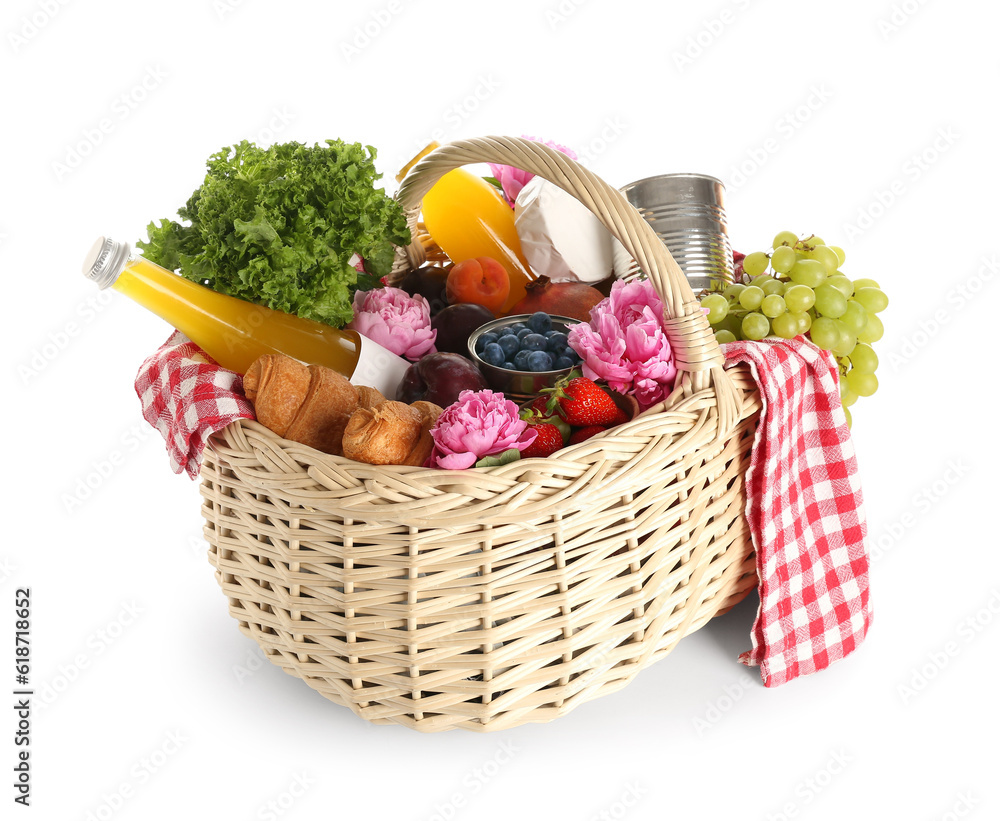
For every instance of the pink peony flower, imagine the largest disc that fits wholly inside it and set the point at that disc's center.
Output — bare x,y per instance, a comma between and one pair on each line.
512,180
477,424
625,345
397,321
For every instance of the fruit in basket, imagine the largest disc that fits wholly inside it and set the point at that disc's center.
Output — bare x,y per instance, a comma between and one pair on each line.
428,282
549,439
572,299
804,293
481,281
456,323
439,378
581,403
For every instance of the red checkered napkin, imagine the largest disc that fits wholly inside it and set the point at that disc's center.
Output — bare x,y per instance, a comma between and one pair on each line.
805,513
187,397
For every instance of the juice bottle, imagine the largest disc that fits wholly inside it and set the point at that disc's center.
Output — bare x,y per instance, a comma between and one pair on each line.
235,332
469,218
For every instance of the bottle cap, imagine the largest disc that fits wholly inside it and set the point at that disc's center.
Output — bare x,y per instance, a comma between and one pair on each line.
105,261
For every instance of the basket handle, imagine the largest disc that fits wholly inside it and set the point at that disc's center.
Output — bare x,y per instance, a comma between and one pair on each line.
696,352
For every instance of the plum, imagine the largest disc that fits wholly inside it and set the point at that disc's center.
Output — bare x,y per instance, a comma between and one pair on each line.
428,282
439,378
455,324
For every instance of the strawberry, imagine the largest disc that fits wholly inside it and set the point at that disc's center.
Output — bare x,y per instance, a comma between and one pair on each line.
548,441
581,403
583,434
620,419
538,411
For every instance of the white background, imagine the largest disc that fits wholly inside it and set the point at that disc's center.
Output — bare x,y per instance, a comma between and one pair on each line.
871,123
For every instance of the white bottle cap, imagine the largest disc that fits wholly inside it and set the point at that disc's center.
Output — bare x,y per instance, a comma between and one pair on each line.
105,261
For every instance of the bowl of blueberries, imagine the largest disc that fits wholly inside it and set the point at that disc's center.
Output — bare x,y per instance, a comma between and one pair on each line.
522,354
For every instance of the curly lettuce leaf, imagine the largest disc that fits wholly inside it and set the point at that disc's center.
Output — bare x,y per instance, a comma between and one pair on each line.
278,226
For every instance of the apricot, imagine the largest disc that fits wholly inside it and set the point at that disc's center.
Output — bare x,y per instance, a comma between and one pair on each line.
480,281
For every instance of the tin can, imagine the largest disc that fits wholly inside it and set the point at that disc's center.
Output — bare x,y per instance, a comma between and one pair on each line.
687,212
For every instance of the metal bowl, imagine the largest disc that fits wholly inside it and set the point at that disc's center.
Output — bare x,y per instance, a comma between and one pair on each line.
518,384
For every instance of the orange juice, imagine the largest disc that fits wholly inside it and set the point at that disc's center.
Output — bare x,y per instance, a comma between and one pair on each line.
235,332
469,218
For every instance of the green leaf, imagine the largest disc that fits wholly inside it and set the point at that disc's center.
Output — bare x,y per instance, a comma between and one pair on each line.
504,458
278,226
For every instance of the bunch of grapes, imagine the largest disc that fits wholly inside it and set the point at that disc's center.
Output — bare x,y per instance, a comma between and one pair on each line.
804,292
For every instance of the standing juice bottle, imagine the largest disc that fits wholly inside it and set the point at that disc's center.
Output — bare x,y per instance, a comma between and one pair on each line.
235,332
468,218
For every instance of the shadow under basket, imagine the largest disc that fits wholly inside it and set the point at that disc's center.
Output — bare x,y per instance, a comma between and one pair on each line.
492,597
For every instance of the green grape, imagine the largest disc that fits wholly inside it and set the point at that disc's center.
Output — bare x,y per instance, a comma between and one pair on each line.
830,302
784,238
863,384
783,259
755,326
733,291
755,263
864,358
850,419
772,305
722,337
841,283
804,318
761,280
751,297
855,317
865,283
847,396
808,272
873,299
731,323
873,330
826,256
839,252
718,307
811,241
785,325
773,286
847,342
799,297
825,332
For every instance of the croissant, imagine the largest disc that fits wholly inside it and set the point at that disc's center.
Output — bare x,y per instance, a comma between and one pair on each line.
429,413
307,404
383,435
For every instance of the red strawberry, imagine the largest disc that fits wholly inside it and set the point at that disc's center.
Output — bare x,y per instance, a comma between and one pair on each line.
620,419
581,402
548,441
583,434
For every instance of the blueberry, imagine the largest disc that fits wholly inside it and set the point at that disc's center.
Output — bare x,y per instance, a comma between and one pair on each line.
539,361
563,362
573,355
485,340
510,345
540,322
534,342
556,341
521,334
517,326
521,360
507,330
492,354
509,366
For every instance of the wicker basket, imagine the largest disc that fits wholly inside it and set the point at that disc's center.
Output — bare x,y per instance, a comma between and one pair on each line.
492,597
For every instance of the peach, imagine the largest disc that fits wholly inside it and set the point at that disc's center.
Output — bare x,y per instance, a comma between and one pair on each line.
480,281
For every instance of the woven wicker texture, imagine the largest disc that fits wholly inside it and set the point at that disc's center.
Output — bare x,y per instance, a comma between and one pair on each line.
488,598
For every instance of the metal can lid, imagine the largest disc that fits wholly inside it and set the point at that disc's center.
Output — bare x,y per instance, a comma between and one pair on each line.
105,261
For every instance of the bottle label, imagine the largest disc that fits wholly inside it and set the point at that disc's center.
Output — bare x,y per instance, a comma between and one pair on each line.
379,368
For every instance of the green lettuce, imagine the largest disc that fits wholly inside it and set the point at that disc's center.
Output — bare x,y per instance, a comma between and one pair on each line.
278,226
